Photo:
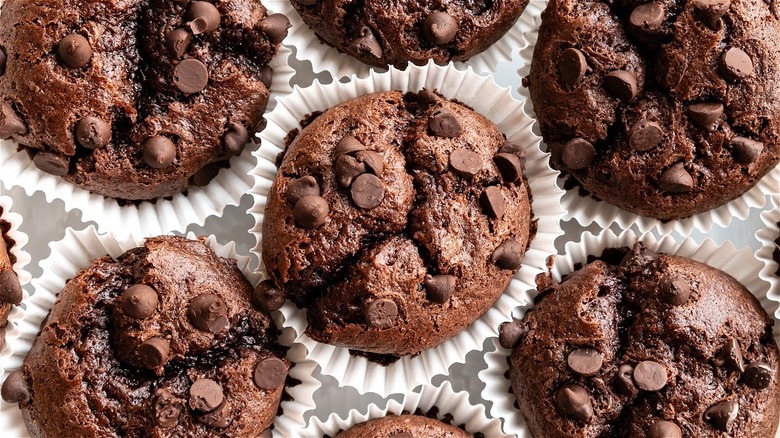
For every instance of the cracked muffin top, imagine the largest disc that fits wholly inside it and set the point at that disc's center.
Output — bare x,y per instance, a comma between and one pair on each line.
404,426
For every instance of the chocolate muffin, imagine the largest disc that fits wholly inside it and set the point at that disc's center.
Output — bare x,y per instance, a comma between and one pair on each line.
135,100
665,108
404,426
396,220
638,344
10,288
162,341
384,33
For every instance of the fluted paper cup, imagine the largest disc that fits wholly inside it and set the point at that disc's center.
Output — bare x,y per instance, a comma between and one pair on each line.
769,253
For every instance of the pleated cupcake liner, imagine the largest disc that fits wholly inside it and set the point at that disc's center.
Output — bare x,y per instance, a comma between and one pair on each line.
768,236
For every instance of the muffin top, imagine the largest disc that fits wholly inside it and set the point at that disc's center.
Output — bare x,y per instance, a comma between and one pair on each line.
396,220
404,426
135,100
645,345
665,109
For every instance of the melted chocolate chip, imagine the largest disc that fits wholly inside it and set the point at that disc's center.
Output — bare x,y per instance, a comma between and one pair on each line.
736,64
508,255
203,17
347,168
439,287
302,187
513,148
178,41
10,122
647,18
367,191
676,180
74,50
711,11
443,123
52,163
757,375
493,202
191,76
381,313
348,145
650,375
311,211
167,408
676,292
574,401
706,115
275,26
205,395
93,132
510,166
745,150
621,84
722,415
639,255
139,301
510,333
159,152
10,289
440,28
268,297
465,163
730,355
585,361
366,44
624,381
15,388
374,161
645,135
270,373
664,429
572,66
208,313
578,154
154,352
219,417
235,139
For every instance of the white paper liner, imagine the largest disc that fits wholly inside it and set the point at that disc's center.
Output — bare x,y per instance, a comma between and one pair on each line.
149,218
74,252
325,58
586,210
485,97
740,264
17,314
767,237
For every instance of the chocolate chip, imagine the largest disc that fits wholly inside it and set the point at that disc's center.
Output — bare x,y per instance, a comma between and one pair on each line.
374,161
647,18
207,173
493,202
572,66
676,179
440,28
52,163
624,381
302,187
381,313
730,355
443,123
513,148
621,84
745,150
574,401
578,154
706,115
93,132
510,333
178,41
10,289
268,297
154,352
235,139
266,76
650,375
159,152
366,44
711,11
275,26
348,145
757,375
347,168
439,287
736,64
208,313
645,135
10,124
639,255
206,395
219,417
510,166
676,292
3,60
167,408
465,163
74,51
270,373
508,255
664,429
15,388
203,17
427,98
585,361
139,301
367,191
722,415
190,76
311,211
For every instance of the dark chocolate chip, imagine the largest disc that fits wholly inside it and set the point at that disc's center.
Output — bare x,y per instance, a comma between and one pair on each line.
578,154
427,98
572,66
621,84
139,301
664,429
275,26
493,202
381,313
10,289
585,361
266,76
439,287
207,173
440,28
711,11
206,395
220,417
706,115
154,352
93,132
178,41
510,166
465,163
676,292
74,50
159,152
443,123
730,355
367,191
513,148
745,150
650,375
302,187
574,401
208,313
3,60
374,161
15,388
52,163
311,211
10,122
270,373
736,64
639,254
203,17
676,179
235,139
510,333
190,76
624,381
648,18
268,297
167,408
757,375
348,145
722,415
508,255
366,44
645,135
